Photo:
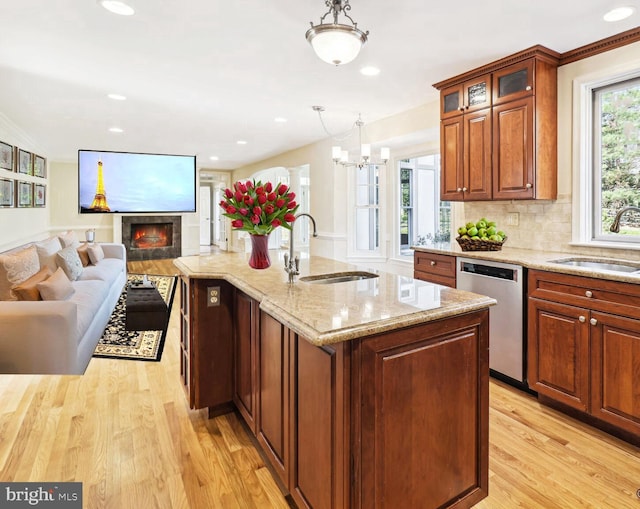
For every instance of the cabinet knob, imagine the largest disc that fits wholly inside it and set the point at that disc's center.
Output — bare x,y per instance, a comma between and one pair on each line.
588,293
464,189
528,87
528,185
459,189
433,264
582,319
593,321
461,108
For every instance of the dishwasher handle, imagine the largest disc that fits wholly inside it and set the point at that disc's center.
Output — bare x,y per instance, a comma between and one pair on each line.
489,271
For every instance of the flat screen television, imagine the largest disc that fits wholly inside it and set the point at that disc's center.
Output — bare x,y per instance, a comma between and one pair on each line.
122,182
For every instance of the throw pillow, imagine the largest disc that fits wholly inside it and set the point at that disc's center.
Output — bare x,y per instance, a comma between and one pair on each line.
47,250
57,287
27,290
69,260
84,255
95,254
69,239
16,267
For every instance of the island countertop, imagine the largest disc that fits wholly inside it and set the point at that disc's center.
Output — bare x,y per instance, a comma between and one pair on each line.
331,313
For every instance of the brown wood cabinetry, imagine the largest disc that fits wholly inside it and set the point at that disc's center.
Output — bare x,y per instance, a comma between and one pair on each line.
206,342
503,147
435,268
246,332
584,346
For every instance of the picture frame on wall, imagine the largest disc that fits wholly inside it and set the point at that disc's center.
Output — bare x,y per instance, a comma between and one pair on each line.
39,195
7,196
6,156
24,194
25,162
39,166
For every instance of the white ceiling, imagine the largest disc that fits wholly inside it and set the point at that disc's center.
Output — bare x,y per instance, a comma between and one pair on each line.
201,74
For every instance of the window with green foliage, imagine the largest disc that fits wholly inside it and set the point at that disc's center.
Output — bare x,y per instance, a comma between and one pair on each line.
616,160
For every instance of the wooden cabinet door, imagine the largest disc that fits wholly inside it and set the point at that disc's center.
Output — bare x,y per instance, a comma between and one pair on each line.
514,82
513,150
273,393
451,159
477,155
558,352
615,370
244,350
319,476
422,409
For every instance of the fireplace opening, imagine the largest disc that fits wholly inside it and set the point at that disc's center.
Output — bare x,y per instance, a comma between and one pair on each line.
150,236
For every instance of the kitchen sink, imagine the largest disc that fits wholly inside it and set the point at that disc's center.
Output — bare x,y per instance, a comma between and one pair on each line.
337,277
608,265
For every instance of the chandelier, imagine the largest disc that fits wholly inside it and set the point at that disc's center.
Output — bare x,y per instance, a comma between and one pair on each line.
336,43
342,156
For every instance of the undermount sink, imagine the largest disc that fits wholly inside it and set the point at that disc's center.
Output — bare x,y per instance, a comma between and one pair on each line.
609,265
337,277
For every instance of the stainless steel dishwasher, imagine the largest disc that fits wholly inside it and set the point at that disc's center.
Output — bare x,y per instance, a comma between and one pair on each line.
503,282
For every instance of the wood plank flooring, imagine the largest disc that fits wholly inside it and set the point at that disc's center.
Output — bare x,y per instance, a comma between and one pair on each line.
125,431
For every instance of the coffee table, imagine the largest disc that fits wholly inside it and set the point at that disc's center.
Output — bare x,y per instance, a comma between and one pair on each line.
145,309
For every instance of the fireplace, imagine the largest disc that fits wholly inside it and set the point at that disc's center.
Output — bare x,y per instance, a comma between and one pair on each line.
152,237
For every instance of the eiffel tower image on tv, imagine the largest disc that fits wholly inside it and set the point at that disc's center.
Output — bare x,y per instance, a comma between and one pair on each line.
99,203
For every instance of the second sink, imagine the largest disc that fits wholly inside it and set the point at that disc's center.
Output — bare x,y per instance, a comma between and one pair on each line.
609,265
338,277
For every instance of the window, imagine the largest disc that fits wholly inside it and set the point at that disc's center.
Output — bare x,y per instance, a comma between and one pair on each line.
424,219
367,208
616,160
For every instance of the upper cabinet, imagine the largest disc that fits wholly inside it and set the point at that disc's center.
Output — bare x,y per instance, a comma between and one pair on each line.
498,134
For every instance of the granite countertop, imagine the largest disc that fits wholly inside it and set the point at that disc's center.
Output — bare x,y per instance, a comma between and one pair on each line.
542,260
331,313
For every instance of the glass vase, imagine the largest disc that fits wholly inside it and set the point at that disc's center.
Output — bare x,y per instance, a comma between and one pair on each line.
259,252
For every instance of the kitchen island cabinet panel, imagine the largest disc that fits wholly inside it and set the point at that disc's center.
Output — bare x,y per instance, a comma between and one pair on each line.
273,396
319,477
244,350
424,395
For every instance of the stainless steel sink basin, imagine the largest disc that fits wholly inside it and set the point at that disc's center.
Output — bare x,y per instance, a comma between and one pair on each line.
337,277
608,265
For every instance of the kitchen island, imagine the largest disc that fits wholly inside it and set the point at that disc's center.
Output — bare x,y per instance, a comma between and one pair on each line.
362,394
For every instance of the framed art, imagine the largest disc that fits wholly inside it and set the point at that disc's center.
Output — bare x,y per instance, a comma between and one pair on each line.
6,156
25,162
6,193
25,194
39,195
39,166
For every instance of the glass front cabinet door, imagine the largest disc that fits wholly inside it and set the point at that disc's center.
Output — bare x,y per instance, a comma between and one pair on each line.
513,82
467,97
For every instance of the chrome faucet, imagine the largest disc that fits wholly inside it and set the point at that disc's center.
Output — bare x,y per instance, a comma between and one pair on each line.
291,264
615,227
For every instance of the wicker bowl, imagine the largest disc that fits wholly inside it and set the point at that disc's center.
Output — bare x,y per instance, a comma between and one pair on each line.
480,245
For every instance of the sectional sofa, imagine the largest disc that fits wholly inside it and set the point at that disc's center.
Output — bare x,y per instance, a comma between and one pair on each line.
56,297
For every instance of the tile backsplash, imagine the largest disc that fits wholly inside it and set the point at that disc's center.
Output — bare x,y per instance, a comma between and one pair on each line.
542,225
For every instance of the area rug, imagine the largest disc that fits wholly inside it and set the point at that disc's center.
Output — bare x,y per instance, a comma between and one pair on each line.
119,343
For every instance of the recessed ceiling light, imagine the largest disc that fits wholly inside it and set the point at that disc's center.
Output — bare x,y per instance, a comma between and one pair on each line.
116,130
214,158
370,71
241,142
618,14
280,120
116,97
117,7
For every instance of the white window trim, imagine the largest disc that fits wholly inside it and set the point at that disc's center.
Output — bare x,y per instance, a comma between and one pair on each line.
582,152
353,254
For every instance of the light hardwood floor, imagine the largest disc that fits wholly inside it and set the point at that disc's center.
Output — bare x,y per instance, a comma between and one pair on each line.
124,430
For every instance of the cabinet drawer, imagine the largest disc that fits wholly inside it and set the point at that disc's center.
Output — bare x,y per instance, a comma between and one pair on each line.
437,268
614,297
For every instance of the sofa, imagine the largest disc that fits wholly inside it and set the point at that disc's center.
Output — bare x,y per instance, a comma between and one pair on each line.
54,306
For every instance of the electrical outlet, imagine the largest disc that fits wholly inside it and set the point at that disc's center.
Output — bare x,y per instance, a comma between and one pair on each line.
213,296
513,219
